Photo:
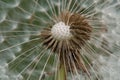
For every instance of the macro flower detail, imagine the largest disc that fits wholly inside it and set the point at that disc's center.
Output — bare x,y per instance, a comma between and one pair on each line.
59,39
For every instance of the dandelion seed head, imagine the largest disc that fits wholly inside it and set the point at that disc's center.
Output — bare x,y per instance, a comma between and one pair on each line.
66,38
3,17
113,71
78,32
10,4
1,39
4,77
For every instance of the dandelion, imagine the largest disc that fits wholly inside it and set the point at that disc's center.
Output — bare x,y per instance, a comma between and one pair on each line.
59,39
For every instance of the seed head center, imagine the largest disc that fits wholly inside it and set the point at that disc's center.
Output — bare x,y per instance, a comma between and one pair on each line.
61,31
